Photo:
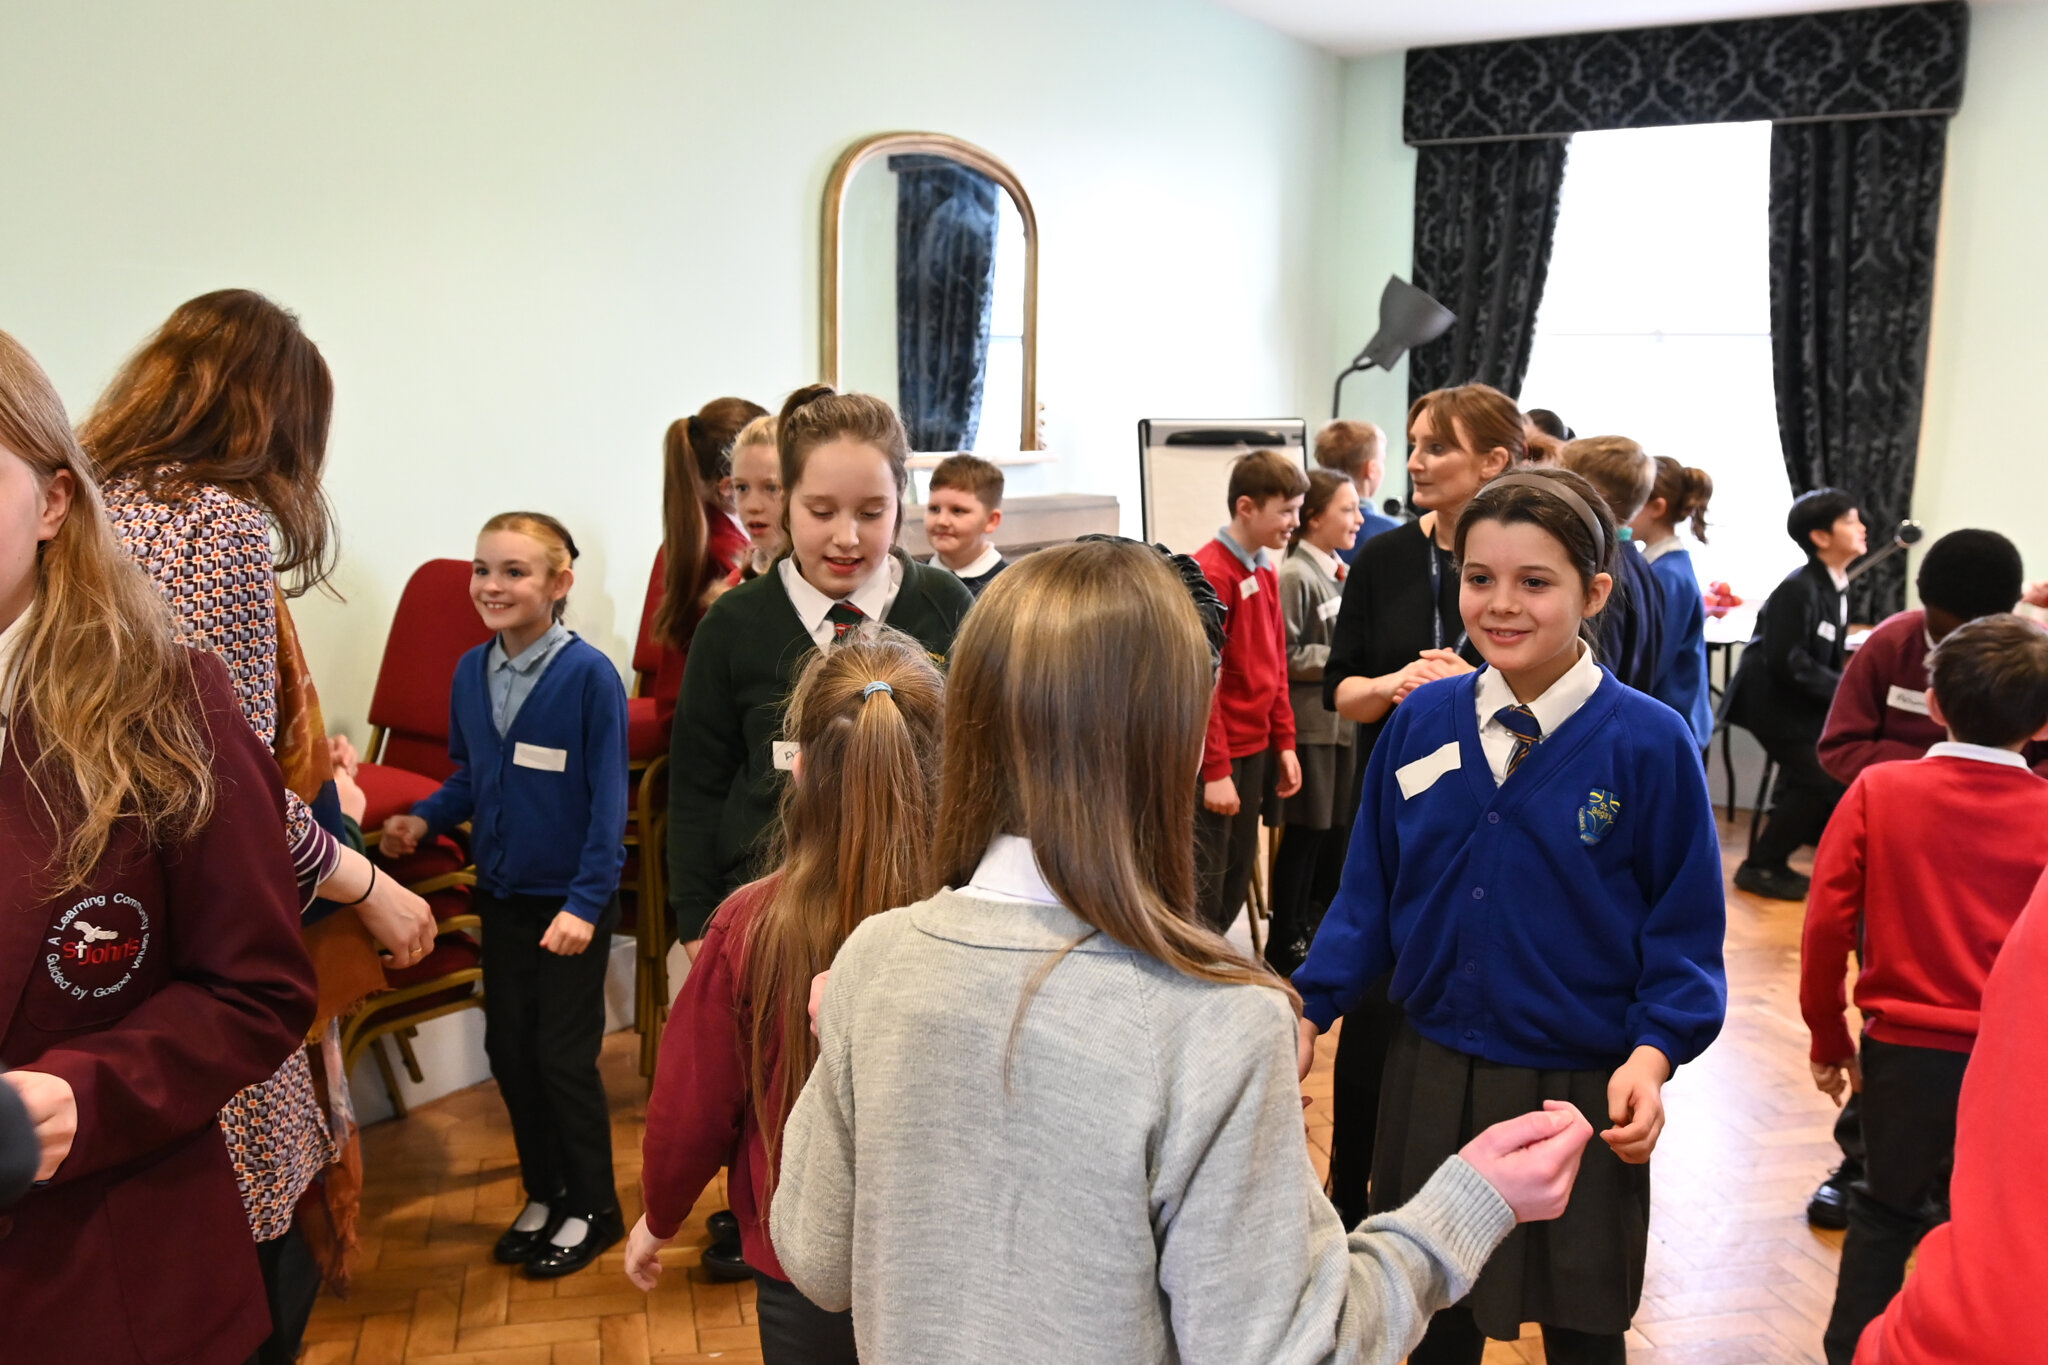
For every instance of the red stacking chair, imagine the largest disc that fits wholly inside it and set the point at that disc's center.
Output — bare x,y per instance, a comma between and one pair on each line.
407,757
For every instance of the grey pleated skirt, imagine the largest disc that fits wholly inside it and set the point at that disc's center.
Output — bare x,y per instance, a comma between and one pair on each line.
1327,772
1583,1271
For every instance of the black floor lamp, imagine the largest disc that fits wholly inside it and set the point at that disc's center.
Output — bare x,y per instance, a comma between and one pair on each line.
1408,317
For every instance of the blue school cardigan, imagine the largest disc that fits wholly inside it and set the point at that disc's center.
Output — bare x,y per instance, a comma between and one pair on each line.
1556,921
547,801
1682,661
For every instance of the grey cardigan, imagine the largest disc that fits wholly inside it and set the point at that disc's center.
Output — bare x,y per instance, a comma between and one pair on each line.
1130,1184
1309,596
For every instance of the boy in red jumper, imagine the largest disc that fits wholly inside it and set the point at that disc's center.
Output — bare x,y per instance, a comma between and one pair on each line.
1250,715
1886,884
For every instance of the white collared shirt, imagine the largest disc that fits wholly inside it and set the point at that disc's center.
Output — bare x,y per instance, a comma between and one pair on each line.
1331,566
1982,753
874,597
1837,577
1009,872
1556,706
989,557
1653,553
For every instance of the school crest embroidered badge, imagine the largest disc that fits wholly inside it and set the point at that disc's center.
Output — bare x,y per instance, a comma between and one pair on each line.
1597,816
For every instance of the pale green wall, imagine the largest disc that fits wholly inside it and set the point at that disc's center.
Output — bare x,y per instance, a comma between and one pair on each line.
528,236
1983,461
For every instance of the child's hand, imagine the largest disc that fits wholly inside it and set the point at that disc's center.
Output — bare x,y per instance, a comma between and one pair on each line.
1635,1101
817,998
1220,796
1833,1078
402,835
353,803
643,1259
1290,773
52,1110
2036,594
1305,1047
1532,1160
343,755
568,935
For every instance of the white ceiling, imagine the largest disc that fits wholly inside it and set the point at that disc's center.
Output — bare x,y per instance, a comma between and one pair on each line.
1354,27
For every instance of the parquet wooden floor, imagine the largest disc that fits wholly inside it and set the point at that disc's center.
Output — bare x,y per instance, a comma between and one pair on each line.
1735,1275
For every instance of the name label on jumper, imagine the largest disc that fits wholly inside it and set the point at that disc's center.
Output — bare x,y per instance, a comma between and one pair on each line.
1827,631
1328,611
1247,587
784,752
1418,777
1905,699
526,755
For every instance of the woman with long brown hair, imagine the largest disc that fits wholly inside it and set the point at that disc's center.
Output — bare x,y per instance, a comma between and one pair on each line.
857,828
1079,1130
209,441
150,959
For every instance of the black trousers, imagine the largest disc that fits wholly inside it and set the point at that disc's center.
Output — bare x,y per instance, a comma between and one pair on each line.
1355,1081
1227,846
1295,910
795,1331
1802,799
1454,1338
1849,1137
291,1283
1909,1138
543,1025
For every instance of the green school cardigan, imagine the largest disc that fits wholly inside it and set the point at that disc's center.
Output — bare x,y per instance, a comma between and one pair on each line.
724,790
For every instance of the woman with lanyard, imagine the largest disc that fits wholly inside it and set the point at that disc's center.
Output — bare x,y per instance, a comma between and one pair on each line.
1399,628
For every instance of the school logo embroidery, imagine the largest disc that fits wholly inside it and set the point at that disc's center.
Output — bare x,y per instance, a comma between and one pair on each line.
1597,816
91,959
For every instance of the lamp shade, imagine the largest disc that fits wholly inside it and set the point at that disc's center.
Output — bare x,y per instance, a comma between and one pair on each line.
1408,317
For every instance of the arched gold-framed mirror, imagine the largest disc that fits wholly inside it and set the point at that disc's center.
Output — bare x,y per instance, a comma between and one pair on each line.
834,325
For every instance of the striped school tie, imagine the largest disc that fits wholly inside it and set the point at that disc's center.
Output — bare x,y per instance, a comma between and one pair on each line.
1520,723
845,618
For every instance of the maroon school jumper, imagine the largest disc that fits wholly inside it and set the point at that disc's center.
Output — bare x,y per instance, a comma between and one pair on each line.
170,981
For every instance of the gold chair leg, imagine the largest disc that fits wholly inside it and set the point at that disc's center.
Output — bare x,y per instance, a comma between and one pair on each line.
404,1039
398,1108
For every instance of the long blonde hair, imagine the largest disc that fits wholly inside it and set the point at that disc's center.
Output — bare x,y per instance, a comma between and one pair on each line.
98,661
857,832
1077,699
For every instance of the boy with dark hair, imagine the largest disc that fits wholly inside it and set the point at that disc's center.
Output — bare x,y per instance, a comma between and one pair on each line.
1358,451
1251,715
964,505
1786,682
1885,886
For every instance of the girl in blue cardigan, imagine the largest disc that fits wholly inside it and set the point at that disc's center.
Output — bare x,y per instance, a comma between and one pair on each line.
537,730
1535,860
1679,494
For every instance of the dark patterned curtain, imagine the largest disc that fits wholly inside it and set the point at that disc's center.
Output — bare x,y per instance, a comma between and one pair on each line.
1855,206
1485,216
946,222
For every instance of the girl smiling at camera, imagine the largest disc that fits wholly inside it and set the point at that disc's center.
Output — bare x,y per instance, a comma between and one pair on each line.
845,474
1536,861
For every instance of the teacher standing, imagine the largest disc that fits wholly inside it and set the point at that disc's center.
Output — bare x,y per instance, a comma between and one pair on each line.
1399,628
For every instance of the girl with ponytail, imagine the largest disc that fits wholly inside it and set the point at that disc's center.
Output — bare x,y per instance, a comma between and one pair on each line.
1680,494
859,820
151,935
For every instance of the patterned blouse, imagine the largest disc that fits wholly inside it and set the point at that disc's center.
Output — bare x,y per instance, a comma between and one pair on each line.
210,557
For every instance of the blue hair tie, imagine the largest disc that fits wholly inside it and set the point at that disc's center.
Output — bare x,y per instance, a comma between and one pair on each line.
876,686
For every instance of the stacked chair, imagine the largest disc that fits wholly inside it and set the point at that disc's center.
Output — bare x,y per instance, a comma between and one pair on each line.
645,878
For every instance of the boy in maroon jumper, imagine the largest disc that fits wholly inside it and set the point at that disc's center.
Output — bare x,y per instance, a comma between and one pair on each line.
1885,885
1251,714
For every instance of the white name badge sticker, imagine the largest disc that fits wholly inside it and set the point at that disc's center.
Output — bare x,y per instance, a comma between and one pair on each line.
1328,611
1827,631
1905,699
1248,587
784,752
534,756
1418,777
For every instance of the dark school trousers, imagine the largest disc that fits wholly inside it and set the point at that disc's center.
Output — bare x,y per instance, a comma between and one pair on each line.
1802,799
1294,910
543,1025
1454,1338
795,1331
291,1282
1355,1080
1227,846
1909,1140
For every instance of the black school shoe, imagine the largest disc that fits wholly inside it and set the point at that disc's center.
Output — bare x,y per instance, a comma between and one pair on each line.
1829,1207
1772,883
724,1225
725,1261
517,1248
602,1231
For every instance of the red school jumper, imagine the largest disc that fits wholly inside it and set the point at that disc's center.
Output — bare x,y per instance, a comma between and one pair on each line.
726,547
1250,712
701,1114
1922,871
1971,1296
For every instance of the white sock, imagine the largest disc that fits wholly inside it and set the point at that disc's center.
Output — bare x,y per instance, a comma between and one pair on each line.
570,1233
532,1218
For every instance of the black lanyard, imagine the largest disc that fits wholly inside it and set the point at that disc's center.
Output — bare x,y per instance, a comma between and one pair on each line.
1436,598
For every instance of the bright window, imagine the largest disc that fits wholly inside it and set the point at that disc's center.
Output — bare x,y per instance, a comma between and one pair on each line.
1002,387
1655,324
